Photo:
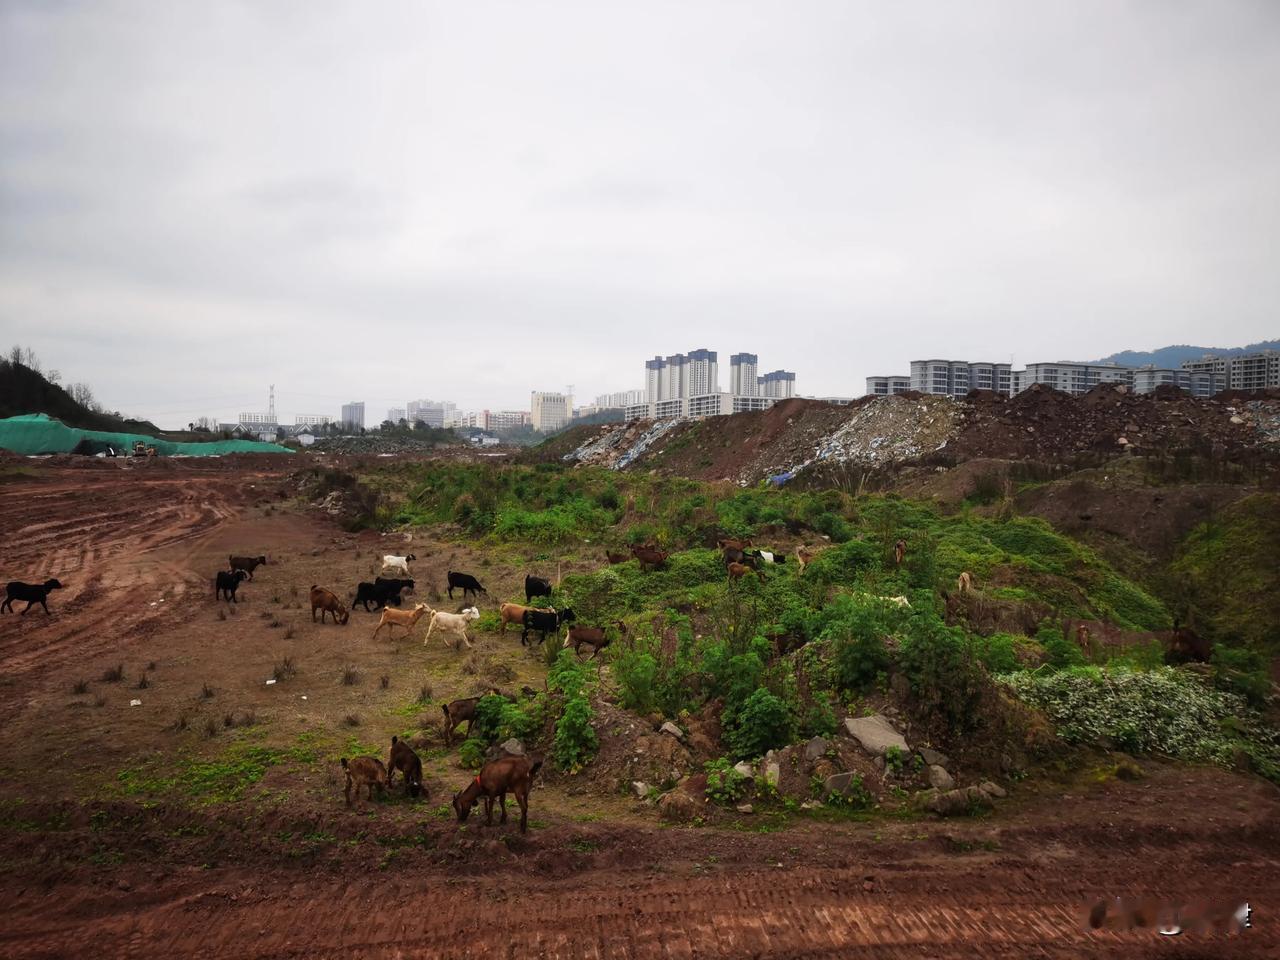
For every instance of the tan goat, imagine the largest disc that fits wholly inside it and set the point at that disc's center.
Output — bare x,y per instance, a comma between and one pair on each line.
401,618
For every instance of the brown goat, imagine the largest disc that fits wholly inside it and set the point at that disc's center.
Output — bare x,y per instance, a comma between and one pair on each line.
733,543
595,637
401,618
247,564
455,712
649,557
495,779
407,762
738,570
363,772
615,558
899,552
510,613
805,556
326,601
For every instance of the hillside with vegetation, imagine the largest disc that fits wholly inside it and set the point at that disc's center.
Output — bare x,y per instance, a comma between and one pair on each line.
993,676
26,388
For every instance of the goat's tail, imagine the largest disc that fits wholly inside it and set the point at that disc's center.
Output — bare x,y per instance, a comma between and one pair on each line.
533,770
314,587
344,763
394,740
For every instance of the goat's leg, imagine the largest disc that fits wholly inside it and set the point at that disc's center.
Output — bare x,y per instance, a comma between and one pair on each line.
430,626
502,804
45,605
348,790
522,798
30,604
488,811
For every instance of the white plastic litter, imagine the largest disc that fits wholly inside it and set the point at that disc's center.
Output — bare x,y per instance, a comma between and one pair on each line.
135,703
270,682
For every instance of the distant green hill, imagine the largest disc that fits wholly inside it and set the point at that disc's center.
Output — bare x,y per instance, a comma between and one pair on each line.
1174,356
24,390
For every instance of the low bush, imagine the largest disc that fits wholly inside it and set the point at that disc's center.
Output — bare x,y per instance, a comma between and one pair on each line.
1158,711
724,784
575,740
764,723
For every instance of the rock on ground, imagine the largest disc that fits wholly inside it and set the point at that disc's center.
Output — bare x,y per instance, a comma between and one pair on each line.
875,734
815,748
934,757
672,729
939,779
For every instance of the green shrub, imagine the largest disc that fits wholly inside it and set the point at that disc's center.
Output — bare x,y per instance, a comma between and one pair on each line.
1243,672
725,785
763,723
636,673
575,741
488,718
997,652
471,753
820,720
946,682
1060,651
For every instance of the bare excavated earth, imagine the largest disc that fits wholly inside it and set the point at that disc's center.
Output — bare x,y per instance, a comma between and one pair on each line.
290,871
797,435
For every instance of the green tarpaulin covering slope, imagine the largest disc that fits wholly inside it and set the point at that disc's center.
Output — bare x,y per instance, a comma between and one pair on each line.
37,433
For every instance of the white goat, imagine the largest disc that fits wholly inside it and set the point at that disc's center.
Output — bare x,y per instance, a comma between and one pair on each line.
394,564
900,601
452,623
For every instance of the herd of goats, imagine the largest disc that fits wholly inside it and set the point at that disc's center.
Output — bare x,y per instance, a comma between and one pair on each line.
497,778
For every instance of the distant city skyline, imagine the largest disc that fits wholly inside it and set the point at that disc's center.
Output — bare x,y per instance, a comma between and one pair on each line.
473,202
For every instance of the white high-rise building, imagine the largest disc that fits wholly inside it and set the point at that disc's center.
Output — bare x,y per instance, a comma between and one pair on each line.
353,414
396,414
880,386
434,413
550,411
955,378
742,375
1075,378
779,384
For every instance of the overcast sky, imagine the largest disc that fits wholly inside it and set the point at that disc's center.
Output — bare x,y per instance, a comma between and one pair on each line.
469,201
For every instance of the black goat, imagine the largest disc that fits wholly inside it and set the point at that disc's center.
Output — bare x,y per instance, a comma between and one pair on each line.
33,593
227,583
381,595
535,587
544,621
466,583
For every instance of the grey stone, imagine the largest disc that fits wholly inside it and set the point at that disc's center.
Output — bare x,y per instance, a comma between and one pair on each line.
879,763
940,779
514,747
934,757
815,748
842,783
678,805
772,773
745,808
744,769
875,734
812,805
640,789
955,801
992,789
672,729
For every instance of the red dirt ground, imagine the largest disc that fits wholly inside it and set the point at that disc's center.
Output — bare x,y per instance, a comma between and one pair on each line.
86,871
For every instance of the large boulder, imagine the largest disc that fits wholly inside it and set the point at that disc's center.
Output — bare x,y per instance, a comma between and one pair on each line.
673,730
939,779
686,802
937,757
876,734
845,784
815,748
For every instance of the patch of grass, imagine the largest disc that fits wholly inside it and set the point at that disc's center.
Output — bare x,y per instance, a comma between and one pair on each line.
275,623
384,681
425,693
206,692
211,727
180,723
351,720
80,686
284,669
288,634
99,701
350,676
583,845
113,674
143,682
151,665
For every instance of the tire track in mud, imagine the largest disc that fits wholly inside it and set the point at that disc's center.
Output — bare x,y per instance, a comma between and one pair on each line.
788,914
116,544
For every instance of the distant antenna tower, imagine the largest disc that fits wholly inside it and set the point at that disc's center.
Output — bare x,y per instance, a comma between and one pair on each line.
271,403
